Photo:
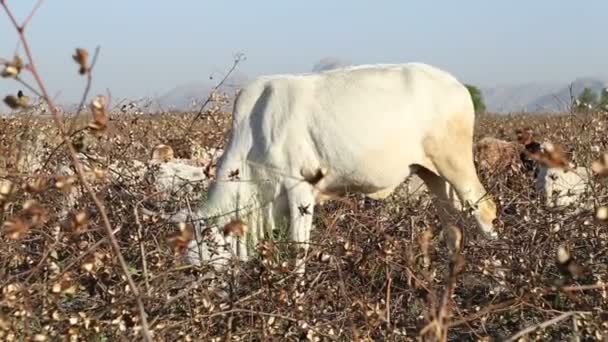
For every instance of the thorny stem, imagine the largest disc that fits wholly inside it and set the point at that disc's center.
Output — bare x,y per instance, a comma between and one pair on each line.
389,283
18,27
52,154
142,249
85,253
445,306
585,287
79,170
31,15
239,58
89,73
542,325
29,87
266,314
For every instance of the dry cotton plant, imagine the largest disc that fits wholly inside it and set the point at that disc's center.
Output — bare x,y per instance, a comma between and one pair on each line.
369,276
13,69
376,270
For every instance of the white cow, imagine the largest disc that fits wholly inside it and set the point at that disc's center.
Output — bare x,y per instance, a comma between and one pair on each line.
297,140
558,181
561,188
169,179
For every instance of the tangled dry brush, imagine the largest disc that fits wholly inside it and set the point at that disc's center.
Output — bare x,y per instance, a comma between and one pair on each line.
377,270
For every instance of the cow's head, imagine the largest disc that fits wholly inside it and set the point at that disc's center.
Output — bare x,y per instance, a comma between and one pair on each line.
199,240
485,213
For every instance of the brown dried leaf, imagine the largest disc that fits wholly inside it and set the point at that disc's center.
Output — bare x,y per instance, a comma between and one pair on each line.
65,183
81,57
92,262
81,219
182,238
77,223
6,188
36,212
64,285
39,338
36,186
4,322
600,166
17,102
602,213
15,228
9,71
162,153
236,226
552,155
100,175
567,265
100,117
524,136
12,68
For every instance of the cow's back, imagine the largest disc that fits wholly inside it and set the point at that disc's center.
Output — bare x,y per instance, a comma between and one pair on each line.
372,121
368,122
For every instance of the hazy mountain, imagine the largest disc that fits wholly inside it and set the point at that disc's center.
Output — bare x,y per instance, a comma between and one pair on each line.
182,97
529,97
562,97
517,97
189,95
537,96
328,63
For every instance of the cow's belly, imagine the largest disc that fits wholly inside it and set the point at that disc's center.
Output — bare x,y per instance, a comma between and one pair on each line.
375,175
373,164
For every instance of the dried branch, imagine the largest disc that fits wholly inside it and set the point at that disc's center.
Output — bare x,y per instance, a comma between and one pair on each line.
87,89
542,325
28,86
238,59
585,287
142,248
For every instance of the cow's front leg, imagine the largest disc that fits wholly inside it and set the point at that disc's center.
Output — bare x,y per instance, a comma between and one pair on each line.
301,206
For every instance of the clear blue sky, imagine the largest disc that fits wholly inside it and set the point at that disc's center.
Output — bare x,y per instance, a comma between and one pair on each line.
150,46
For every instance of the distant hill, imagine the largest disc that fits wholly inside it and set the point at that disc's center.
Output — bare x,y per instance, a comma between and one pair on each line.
528,97
328,63
183,97
508,98
532,97
550,101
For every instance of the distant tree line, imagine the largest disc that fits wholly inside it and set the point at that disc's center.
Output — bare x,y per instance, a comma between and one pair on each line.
589,99
478,103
